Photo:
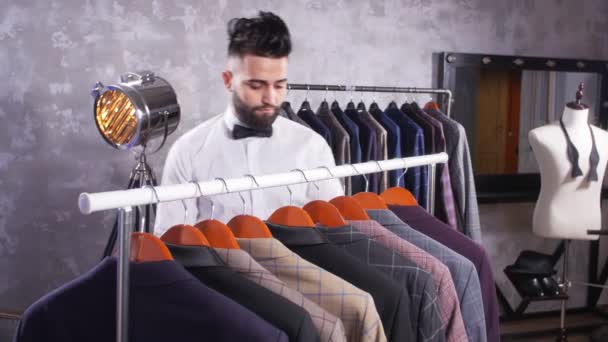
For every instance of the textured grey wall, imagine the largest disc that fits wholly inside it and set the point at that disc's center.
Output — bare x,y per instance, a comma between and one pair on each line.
51,53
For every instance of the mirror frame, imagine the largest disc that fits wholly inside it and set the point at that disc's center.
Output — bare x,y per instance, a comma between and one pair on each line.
523,187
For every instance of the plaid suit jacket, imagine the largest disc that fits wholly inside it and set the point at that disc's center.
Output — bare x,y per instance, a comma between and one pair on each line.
381,146
447,297
426,317
391,299
462,270
461,173
412,144
330,327
427,224
445,207
354,307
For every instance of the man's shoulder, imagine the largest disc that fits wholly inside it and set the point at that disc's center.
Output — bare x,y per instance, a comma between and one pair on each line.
298,132
197,135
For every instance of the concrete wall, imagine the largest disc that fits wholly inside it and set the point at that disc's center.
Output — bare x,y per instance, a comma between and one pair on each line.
52,52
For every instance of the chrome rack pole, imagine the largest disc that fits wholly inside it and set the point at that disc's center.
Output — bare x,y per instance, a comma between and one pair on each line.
374,89
124,253
430,199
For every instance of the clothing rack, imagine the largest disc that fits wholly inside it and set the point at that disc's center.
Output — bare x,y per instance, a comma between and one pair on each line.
374,89
124,200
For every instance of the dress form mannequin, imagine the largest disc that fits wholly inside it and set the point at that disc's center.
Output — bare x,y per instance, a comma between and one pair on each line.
567,206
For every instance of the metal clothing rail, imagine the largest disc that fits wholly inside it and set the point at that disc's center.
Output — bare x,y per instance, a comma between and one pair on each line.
374,89
124,200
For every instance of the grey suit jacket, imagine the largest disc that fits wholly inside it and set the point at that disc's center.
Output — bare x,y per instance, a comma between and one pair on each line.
462,270
340,143
461,174
286,111
381,146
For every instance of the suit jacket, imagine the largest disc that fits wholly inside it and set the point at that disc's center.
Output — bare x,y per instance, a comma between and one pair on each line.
392,300
205,265
393,143
447,297
412,144
425,313
317,125
424,123
340,143
358,183
354,307
427,224
330,327
381,146
445,208
287,111
162,292
462,270
367,140
461,174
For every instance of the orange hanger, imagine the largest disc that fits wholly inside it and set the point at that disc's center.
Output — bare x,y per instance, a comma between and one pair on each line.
325,213
292,217
350,208
369,200
249,226
431,105
399,196
147,247
218,234
183,234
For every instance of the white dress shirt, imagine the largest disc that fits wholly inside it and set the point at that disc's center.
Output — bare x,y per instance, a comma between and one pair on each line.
208,151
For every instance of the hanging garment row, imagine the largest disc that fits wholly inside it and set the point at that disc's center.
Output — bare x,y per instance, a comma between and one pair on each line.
351,269
358,134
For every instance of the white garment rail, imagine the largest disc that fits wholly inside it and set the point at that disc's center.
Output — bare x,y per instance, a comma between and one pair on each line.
124,200
99,201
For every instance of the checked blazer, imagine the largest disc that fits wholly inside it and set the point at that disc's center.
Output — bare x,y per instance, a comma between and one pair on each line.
330,327
354,307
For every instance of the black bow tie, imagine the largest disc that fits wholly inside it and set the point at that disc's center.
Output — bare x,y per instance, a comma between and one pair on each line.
240,132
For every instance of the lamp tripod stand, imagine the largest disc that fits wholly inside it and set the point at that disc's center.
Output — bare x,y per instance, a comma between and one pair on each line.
141,176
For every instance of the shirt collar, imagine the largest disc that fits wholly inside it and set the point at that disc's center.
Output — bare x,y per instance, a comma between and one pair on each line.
384,217
195,256
342,235
297,236
267,249
150,273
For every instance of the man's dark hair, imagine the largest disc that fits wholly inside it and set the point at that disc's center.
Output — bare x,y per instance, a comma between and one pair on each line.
265,35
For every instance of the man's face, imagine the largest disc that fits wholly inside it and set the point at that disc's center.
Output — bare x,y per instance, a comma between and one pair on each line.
258,86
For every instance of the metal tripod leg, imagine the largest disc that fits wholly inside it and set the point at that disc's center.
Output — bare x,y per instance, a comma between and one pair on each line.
565,284
141,175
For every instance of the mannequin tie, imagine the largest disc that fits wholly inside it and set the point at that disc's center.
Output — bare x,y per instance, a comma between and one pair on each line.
573,155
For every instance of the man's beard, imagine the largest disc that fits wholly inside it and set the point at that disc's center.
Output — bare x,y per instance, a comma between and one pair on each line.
248,117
